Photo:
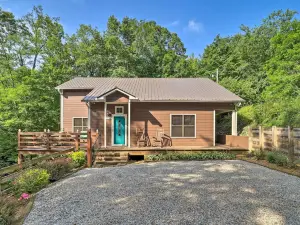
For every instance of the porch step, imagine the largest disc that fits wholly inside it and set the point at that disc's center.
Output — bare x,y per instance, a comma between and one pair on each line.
112,154
116,158
111,158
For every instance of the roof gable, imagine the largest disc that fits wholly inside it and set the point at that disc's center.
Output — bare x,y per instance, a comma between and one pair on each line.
116,89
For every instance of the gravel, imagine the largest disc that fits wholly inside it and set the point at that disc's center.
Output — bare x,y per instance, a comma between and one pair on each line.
195,192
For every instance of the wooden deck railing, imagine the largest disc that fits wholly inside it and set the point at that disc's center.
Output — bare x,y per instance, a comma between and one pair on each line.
55,142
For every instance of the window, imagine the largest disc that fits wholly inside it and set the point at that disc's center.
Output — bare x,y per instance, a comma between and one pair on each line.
183,126
80,124
119,109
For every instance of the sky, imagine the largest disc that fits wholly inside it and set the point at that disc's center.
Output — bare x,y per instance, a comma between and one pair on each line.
196,22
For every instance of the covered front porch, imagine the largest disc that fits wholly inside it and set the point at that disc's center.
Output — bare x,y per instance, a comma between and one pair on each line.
126,123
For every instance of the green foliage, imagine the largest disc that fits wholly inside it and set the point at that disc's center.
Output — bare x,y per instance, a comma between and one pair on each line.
191,156
259,154
8,208
31,181
57,168
79,158
278,158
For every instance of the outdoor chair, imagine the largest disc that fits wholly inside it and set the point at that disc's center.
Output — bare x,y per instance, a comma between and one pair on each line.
142,138
161,139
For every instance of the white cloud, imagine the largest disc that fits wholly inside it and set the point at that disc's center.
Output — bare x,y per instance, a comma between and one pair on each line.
195,26
174,23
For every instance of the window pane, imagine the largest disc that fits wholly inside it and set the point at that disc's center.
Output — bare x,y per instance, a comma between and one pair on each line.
85,122
176,131
189,120
189,131
77,122
177,120
77,129
84,128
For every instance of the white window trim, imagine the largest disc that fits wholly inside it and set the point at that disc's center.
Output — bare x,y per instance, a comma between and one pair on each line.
122,107
182,115
113,130
78,118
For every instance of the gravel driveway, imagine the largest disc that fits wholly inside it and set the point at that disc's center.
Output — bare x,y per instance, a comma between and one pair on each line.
204,192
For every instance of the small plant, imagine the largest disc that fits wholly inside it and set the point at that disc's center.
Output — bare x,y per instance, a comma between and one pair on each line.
78,158
191,156
57,168
31,181
8,207
271,158
259,154
278,158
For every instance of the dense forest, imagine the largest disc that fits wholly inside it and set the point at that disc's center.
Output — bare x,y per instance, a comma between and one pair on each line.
261,64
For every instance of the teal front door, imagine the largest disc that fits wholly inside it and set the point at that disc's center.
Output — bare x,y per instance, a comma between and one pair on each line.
119,130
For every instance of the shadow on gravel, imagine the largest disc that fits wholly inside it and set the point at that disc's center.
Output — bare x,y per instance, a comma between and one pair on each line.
207,192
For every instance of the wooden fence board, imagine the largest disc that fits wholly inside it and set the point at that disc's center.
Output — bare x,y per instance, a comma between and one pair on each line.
276,139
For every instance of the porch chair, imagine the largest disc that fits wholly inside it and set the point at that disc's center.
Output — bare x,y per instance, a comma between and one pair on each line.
142,137
158,139
161,139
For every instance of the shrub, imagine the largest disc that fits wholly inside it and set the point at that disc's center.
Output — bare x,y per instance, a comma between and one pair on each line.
278,158
78,158
57,168
31,181
271,157
259,154
8,207
191,156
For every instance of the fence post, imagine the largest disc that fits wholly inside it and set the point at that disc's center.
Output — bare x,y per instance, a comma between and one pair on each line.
77,139
48,140
20,156
274,137
89,148
250,141
261,138
290,145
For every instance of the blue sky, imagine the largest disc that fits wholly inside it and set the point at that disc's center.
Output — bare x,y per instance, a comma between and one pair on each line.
196,22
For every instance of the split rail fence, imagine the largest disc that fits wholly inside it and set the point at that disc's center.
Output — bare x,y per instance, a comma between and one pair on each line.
275,139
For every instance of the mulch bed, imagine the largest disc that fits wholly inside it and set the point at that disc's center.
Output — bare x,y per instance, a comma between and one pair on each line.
292,171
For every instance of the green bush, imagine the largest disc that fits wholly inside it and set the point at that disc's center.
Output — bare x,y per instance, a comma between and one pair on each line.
8,208
57,168
78,158
271,157
278,158
191,156
31,181
259,154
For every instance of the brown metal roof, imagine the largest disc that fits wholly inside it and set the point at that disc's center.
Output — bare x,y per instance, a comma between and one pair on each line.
155,89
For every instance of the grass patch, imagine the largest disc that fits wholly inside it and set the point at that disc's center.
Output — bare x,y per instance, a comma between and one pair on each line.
190,156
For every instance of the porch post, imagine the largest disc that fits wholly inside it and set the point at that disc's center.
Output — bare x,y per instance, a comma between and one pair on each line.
214,128
89,115
234,123
105,106
129,122
61,110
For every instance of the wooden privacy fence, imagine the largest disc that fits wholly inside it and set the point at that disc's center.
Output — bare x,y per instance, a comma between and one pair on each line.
275,138
55,142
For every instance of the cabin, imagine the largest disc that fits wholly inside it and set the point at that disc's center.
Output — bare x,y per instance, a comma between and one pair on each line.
130,113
